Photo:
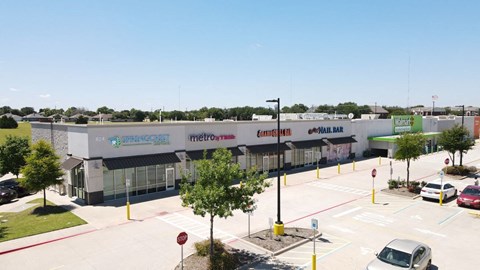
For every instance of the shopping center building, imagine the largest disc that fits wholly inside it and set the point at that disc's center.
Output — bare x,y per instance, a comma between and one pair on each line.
99,159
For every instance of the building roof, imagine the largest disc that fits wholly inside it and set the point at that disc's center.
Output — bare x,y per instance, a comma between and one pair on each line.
377,109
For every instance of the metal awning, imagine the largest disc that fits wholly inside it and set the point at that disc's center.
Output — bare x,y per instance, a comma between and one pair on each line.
267,148
71,163
341,140
139,161
309,144
197,155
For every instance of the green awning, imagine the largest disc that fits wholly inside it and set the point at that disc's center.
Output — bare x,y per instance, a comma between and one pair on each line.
392,138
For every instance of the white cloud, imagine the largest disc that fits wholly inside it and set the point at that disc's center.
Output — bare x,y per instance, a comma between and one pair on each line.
45,96
14,89
256,46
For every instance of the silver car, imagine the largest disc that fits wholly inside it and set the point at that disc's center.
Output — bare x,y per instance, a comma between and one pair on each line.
403,254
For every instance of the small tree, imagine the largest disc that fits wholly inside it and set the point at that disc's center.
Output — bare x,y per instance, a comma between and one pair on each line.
409,147
13,153
42,169
456,139
213,193
81,120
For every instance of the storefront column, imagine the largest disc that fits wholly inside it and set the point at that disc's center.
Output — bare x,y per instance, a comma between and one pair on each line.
93,171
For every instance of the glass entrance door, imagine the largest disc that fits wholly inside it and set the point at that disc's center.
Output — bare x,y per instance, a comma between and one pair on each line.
266,163
170,173
78,183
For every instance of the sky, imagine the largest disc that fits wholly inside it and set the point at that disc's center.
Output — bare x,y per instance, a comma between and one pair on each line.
184,55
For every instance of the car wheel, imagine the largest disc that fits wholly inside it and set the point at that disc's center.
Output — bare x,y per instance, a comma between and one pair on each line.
445,197
429,265
455,194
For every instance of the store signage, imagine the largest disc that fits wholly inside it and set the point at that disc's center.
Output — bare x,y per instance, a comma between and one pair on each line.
407,123
205,137
274,132
324,130
131,140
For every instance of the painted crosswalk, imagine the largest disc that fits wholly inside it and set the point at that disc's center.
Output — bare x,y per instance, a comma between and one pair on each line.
373,218
339,188
325,245
195,227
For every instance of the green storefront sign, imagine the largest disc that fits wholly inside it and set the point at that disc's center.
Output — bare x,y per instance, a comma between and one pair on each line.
407,123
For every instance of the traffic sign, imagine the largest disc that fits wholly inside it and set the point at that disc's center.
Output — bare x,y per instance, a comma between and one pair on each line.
442,174
314,224
447,160
182,238
374,173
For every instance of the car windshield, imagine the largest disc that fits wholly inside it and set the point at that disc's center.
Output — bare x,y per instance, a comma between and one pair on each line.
471,191
432,185
395,257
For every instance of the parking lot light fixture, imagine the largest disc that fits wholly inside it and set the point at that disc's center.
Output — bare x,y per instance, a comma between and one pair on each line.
278,228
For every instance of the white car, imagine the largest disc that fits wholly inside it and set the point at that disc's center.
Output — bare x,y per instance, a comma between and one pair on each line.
402,254
432,190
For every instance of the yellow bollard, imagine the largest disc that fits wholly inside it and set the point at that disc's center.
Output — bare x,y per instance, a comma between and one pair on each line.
318,173
284,179
128,210
354,165
441,198
379,160
338,168
373,196
314,261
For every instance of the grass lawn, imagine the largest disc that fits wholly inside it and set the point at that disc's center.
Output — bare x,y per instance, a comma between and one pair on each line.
23,130
36,220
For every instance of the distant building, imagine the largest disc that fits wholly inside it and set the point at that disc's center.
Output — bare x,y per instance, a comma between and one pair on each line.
469,111
36,117
382,113
425,111
102,117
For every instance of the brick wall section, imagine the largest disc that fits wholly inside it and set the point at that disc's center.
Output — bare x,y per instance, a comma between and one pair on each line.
55,134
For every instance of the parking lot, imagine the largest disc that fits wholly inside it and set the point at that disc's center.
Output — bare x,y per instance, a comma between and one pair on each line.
353,228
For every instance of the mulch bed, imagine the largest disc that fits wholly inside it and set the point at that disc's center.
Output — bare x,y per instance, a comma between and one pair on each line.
248,260
402,191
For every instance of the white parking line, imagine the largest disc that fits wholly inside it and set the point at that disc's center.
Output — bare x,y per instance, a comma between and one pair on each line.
339,188
374,219
430,232
347,212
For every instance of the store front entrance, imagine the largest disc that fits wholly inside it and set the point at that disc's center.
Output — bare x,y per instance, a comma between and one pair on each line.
170,175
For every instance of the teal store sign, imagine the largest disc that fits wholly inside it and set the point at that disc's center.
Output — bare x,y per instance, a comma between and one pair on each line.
131,140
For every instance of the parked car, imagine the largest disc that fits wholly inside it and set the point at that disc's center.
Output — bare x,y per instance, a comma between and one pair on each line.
432,190
402,254
7,195
470,196
13,184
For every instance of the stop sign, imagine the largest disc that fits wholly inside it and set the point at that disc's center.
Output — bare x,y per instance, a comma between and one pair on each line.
374,173
447,160
182,238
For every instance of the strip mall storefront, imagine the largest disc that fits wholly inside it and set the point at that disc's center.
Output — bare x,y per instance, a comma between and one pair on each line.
99,160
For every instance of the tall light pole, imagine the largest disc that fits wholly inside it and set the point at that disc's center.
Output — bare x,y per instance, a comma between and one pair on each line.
463,115
278,228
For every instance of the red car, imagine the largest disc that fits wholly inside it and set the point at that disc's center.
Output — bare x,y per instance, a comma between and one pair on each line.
470,196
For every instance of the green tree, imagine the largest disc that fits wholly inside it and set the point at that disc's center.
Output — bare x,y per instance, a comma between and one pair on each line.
42,169
105,110
13,153
456,139
213,193
81,120
27,110
8,122
409,147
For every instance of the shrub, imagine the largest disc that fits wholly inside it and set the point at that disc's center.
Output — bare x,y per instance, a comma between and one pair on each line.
221,259
458,170
472,169
392,183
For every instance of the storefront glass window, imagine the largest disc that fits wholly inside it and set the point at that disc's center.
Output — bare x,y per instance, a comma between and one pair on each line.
141,180
161,177
152,177
119,181
108,185
130,174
